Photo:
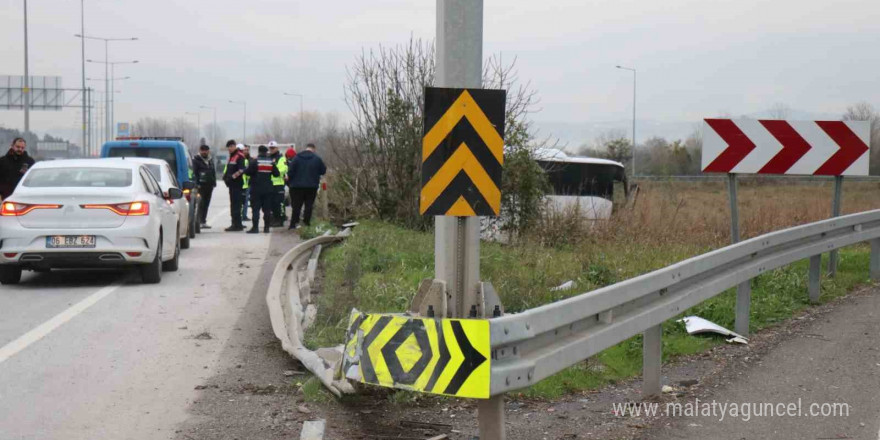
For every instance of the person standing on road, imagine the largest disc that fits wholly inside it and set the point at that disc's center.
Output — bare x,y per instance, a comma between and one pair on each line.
262,172
278,211
13,165
233,177
304,176
246,150
206,179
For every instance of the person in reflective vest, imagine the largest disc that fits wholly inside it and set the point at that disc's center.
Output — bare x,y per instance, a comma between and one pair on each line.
262,172
247,184
278,211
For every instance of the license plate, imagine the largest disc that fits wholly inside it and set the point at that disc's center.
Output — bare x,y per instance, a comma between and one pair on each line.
70,241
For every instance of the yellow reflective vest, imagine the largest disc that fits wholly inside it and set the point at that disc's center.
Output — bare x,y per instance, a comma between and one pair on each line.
281,164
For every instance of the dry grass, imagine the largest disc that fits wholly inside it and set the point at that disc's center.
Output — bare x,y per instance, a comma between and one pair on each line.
699,214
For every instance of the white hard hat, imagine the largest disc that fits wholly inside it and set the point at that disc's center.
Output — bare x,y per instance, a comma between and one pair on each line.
273,144
240,146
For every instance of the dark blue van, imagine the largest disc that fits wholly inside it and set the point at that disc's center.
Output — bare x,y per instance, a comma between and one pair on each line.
170,149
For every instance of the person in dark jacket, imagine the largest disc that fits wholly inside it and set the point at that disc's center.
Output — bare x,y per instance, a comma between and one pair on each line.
304,177
206,179
13,165
235,168
261,171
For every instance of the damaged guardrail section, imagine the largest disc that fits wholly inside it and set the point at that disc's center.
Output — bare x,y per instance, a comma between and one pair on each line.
291,311
530,346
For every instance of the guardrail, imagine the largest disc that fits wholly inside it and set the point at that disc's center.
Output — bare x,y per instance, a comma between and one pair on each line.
291,312
532,345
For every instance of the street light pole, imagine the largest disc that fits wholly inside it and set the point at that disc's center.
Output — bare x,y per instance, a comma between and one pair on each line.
214,127
107,123
26,91
300,134
113,94
86,140
244,130
634,118
198,125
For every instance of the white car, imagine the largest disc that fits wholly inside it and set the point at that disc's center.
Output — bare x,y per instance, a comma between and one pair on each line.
163,174
86,213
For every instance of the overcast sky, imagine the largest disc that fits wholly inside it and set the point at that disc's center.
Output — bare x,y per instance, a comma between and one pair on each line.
695,58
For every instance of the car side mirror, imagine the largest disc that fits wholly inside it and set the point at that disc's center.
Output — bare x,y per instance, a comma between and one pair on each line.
189,185
175,193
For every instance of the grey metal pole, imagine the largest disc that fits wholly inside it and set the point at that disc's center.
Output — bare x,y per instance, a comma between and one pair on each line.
815,276
112,100
652,359
457,239
744,289
107,135
85,137
88,150
26,95
874,264
835,212
634,124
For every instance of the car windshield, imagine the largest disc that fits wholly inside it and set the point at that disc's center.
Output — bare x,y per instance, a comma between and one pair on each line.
78,177
166,154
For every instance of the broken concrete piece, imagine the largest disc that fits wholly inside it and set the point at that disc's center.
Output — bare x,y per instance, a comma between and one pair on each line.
696,325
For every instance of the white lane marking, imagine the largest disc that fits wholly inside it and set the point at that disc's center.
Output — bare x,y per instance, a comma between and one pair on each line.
12,348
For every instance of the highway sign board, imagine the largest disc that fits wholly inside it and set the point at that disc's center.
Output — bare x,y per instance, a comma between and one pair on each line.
123,129
45,92
752,146
462,152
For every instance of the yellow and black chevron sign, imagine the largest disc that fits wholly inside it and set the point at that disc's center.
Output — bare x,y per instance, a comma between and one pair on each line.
439,356
462,152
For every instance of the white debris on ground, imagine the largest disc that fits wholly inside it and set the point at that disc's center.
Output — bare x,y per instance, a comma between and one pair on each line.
696,325
568,285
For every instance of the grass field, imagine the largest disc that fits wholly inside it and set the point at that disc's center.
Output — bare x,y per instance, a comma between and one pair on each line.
379,268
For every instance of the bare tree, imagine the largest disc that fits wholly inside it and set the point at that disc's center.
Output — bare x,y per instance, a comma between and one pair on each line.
380,157
779,111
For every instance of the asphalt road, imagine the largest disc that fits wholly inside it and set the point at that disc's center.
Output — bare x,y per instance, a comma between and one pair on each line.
95,354
829,371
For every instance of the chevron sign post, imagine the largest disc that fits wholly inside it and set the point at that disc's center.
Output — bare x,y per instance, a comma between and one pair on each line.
462,152
820,148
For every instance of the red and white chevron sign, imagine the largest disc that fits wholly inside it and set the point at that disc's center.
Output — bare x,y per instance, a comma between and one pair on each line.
751,146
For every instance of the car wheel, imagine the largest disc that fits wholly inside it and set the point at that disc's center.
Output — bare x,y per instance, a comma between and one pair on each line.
172,264
10,274
184,242
151,273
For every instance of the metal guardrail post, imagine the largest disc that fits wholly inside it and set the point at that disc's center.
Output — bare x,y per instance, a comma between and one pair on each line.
814,287
652,356
874,265
835,212
744,289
